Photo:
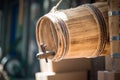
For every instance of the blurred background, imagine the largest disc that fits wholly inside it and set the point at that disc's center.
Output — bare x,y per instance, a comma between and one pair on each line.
18,46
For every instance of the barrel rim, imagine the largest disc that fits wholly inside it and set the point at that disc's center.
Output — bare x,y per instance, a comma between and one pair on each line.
63,36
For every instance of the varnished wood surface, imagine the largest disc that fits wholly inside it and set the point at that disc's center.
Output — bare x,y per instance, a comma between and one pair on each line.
83,29
114,24
114,28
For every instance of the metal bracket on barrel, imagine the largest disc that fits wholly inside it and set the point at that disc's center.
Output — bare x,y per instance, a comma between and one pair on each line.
114,13
115,55
115,38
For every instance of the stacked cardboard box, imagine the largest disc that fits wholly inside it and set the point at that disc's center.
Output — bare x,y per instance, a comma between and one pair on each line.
82,75
108,75
67,65
69,69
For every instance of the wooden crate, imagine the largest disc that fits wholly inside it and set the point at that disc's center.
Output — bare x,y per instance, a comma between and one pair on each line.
113,61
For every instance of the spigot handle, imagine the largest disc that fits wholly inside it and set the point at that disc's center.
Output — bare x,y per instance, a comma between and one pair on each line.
43,53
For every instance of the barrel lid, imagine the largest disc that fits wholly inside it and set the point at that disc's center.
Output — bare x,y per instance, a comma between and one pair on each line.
50,32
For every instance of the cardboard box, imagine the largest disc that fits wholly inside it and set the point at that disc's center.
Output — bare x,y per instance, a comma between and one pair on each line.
82,75
69,76
66,65
70,65
106,75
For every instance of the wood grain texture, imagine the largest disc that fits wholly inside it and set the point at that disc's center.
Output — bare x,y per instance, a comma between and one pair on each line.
114,28
83,29
114,25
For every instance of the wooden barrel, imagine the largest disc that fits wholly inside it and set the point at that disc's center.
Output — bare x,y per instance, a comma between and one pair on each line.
74,33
